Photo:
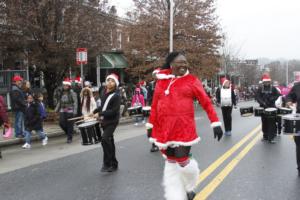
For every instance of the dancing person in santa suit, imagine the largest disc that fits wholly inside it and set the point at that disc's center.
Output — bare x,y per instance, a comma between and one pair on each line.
227,99
172,126
266,96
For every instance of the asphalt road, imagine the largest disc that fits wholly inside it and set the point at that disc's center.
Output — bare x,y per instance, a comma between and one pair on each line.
237,167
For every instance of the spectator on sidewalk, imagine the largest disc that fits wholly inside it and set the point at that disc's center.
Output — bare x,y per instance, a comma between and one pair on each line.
88,103
3,118
33,121
138,100
42,108
77,89
26,88
67,108
18,104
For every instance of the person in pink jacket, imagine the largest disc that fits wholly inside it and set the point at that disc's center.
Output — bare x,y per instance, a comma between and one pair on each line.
138,100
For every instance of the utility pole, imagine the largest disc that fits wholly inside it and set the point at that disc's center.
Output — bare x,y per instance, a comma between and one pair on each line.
171,9
287,73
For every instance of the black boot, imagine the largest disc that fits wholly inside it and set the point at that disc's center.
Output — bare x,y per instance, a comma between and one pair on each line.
0,154
191,195
154,148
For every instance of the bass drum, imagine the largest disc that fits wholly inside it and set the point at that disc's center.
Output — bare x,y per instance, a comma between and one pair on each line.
291,124
246,111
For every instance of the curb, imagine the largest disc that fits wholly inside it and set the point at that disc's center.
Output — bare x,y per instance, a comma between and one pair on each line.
15,141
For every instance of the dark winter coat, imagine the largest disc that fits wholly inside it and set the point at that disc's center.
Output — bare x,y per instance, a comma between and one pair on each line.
266,99
112,113
33,119
294,96
18,102
3,112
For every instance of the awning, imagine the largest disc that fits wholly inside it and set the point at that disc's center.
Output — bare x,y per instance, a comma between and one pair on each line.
113,60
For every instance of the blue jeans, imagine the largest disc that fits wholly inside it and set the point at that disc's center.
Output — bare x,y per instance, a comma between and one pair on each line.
28,135
19,123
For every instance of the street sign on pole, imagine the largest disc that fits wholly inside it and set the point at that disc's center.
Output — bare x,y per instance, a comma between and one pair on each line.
81,56
81,59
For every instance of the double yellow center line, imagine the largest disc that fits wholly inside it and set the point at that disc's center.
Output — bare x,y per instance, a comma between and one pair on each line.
209,188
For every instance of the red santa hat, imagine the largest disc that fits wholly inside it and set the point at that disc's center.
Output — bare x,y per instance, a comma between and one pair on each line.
223,81
265,78
114,77
78,79
67,81
17,78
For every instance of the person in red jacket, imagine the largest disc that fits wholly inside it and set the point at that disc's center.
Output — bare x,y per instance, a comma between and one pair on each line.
174,129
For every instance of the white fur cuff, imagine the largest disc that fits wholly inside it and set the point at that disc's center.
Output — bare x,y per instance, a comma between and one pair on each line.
164,76
149,125
215,124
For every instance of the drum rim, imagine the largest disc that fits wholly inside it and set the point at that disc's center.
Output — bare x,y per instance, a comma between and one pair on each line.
134,107
91,123
270,109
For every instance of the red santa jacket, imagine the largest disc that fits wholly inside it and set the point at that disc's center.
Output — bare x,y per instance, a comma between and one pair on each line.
172,111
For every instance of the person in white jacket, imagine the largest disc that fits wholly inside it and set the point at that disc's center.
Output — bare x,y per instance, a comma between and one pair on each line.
88,103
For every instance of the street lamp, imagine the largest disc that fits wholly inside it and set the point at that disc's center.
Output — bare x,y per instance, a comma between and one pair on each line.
287,73
171,9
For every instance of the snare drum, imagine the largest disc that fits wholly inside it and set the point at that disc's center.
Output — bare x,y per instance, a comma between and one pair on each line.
135,110
291,124
258,112
284,111
246,111
90,132
146,111
270,112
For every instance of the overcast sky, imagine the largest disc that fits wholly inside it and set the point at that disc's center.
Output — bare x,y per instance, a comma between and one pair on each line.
255,28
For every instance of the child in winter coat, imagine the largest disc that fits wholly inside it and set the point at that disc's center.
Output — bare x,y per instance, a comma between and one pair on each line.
138,100
33,121
42,109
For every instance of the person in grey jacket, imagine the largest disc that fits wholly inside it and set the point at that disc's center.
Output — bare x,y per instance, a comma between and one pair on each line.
18,104
67,108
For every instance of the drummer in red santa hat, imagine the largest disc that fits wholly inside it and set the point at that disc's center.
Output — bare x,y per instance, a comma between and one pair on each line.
227,99
174,129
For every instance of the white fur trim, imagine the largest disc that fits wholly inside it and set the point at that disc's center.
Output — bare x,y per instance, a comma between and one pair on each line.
190,174
164,76
114,78
215,124
173,143
266,80
172,182
149,125
67,83
156,71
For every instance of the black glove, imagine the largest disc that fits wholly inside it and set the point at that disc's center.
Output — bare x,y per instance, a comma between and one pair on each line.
95,111
218,132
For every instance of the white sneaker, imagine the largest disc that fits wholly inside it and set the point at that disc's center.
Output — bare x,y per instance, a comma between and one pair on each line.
144,121
26,146
45,141
136,124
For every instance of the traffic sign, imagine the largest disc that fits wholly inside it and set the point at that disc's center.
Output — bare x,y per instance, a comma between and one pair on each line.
81,56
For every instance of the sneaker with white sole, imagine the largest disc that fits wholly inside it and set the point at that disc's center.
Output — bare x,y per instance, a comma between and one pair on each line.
45,141
26,146
136,124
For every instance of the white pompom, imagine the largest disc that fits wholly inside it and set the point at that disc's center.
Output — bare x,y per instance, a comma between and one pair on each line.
167,92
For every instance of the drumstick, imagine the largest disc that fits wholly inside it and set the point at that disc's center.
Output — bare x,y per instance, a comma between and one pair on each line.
85,119
75,118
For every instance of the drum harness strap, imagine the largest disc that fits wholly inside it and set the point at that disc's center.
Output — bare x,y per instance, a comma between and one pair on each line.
106,103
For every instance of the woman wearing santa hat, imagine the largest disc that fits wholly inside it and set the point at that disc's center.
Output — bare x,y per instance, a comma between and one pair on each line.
266,96
109,112
67,108
174,129
227,99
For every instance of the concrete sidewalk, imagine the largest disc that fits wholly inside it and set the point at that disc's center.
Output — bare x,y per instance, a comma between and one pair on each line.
52,130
